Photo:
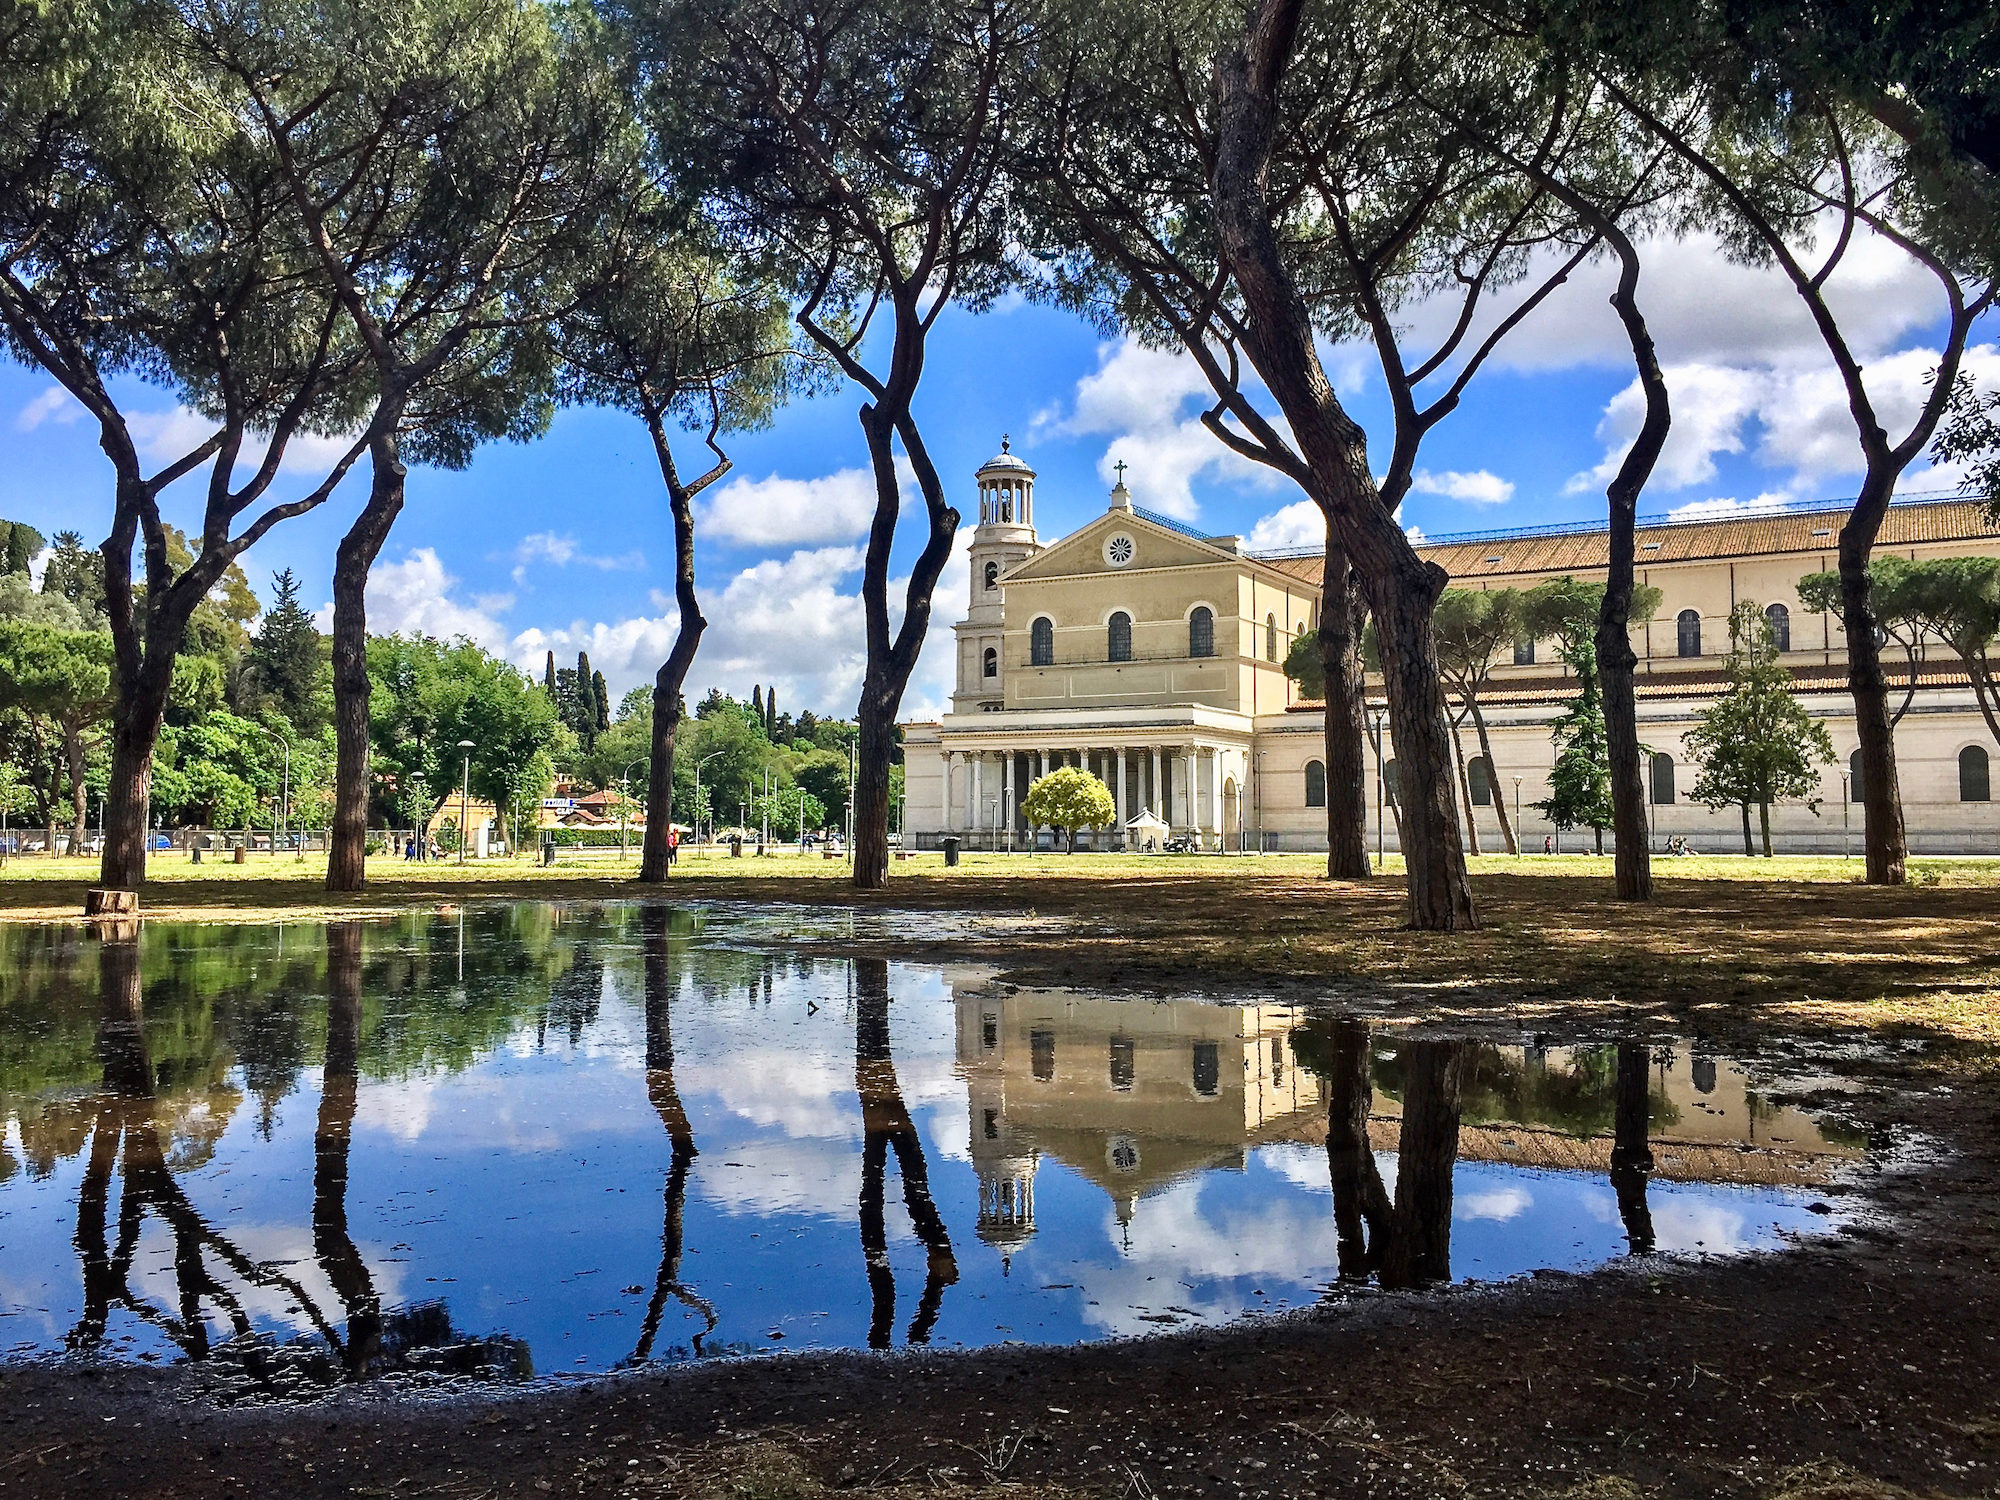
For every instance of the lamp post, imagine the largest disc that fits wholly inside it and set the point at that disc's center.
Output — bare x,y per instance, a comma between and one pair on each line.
625,799
1517,817
423,815
1380,862
1846,850
697,794
284,796
465,799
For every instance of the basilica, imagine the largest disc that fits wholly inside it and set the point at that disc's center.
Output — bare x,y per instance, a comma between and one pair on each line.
1150,654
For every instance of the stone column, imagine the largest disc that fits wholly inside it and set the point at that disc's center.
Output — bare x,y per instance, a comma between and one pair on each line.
1153,797
1215,794
978,792
1118,792
945,823
1193,790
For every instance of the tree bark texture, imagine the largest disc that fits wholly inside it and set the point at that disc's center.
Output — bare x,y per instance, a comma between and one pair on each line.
1633,856
1465,790
1631,1154
1341,616
347,845
891,659
1402,590
1883,838
144,649
1419,1252
672,676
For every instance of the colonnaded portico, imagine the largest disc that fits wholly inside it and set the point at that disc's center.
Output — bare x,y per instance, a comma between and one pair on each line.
1189,772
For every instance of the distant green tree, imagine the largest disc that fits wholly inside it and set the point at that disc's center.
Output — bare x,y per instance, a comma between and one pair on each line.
288,661
823,776
76,573
64,679
1069,799
1472,628
20,545
1756,743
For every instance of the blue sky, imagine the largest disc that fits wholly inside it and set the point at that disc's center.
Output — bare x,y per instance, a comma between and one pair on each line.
564,543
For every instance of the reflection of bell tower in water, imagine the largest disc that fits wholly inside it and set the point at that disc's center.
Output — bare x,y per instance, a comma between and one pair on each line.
1006,1167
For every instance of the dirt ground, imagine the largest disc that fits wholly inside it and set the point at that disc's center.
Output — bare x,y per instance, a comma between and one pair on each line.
1861,1365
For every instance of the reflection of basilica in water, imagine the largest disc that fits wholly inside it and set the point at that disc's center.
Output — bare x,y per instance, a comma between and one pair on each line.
1135,1095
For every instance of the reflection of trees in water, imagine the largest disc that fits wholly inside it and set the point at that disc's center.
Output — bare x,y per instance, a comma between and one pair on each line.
1407,1242
1578,1096
656,926
125,1140
886,1126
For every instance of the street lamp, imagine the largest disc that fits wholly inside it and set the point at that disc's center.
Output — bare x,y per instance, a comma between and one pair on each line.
465,799
1846,850
285,796
1517,817
625,797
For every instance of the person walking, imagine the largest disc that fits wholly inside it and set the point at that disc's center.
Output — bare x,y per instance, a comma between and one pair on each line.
673,846
1548,843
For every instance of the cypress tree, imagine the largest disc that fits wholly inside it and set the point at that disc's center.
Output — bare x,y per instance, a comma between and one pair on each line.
757,702
601,703
549,676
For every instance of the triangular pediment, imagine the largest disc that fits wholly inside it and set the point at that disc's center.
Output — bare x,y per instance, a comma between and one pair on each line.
1081,553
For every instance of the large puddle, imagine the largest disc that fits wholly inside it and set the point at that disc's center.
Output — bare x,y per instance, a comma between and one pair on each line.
538,1140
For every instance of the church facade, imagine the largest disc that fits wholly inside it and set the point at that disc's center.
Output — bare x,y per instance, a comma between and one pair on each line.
1152,655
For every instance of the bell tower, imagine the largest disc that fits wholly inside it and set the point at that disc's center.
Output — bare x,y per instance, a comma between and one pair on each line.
1004,538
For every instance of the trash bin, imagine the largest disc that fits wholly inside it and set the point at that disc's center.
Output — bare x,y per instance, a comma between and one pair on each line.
950,847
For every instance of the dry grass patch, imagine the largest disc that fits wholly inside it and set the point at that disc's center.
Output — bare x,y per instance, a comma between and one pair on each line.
761,1469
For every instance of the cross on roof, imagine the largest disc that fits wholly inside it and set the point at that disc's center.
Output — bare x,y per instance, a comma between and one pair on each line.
1120,467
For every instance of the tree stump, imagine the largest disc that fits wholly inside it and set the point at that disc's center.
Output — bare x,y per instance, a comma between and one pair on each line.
111,903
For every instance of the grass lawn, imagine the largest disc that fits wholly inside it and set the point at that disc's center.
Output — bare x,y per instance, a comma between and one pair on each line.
1728,944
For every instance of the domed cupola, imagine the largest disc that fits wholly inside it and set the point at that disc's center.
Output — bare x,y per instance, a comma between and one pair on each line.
1006,489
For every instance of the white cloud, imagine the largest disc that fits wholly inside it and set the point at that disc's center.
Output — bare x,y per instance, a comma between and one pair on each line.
1141,397
1299,524
1480,487
778,512
1800,415
1701,307
53,405
1769,503
561,551
164,436
413,597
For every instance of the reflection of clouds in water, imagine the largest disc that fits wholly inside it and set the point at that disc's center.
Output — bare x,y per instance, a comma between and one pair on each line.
1176,1238
782,1175
1497,1204
284,1248
1303,1166
1698,1221
540,1106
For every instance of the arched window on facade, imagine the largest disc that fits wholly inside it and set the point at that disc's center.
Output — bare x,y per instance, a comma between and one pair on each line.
1207,1069
1975,775
1479,774
1315,784
1118,634
1124,1064
1390,781
1201,631
1854,775
1042,643
1781,625
1270,637
993,575
1688,628
1524,651
992,662
1663,779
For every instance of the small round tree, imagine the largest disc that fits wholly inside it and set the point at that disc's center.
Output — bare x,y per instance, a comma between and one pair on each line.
1069,799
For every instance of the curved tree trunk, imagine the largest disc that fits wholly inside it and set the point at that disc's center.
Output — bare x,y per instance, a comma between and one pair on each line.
1508,836
1615,656
672,677
1465,790
347,845
1402,590
1341,616
886,1125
